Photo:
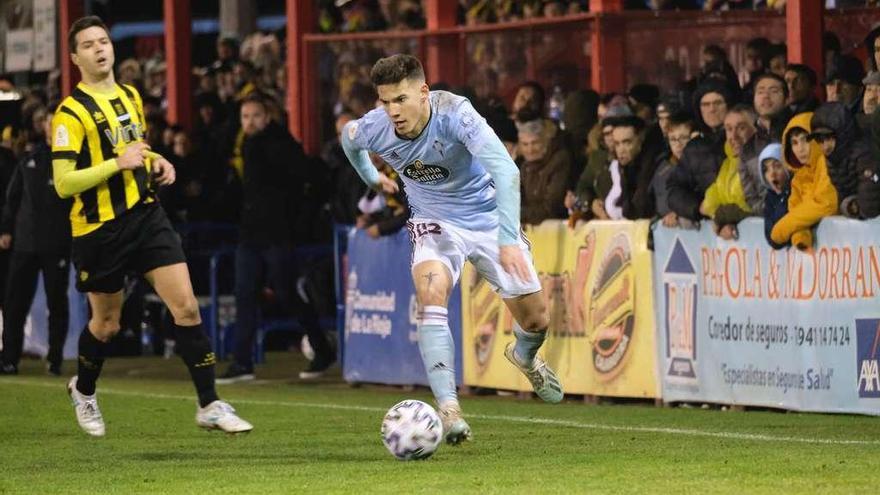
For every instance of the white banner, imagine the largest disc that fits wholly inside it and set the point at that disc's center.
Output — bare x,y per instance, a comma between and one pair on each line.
741,323
44,35
19,50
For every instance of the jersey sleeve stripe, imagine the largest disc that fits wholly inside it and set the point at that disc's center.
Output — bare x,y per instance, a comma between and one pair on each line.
64,155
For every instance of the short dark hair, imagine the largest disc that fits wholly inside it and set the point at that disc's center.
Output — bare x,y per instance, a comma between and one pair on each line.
540,95
257,98
396,68
804,70
682,118
775,77
636,123
82,24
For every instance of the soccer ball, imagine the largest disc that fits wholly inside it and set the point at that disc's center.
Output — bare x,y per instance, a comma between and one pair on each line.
411,430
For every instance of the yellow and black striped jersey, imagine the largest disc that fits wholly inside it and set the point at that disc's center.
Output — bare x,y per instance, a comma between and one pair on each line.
89,130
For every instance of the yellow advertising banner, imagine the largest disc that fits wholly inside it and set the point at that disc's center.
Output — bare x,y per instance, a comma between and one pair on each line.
596,280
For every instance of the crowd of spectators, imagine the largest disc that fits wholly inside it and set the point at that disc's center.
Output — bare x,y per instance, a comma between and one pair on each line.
726,145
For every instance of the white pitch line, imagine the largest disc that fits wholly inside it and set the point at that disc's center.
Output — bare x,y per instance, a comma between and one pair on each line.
512,419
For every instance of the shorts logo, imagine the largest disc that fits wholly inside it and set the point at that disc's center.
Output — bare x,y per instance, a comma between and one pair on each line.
83,276
680,290
611,308
62,138
868,358
425,174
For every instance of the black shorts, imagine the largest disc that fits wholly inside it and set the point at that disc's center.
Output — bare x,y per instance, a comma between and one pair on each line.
137,242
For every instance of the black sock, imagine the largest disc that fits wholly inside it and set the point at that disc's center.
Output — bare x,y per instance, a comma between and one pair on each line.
90,361
195,349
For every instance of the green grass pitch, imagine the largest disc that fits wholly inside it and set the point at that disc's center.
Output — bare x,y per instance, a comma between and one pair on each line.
324,438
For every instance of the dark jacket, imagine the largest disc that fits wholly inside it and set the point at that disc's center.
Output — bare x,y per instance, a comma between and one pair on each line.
869,175
595,180
849,152
346,186
696,171
544,183
274,170
700,160
37,218
638,200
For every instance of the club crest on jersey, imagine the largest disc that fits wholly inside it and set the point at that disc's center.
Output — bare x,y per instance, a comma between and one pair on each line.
425,173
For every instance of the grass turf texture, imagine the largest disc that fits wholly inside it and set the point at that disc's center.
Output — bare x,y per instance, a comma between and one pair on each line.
324,438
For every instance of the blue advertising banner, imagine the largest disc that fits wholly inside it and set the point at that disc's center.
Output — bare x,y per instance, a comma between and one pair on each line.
381,340
741,323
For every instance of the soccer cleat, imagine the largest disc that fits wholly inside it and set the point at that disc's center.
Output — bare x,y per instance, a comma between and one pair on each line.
8,369
219,415
317,368
455,428
236,373
543,379
87,413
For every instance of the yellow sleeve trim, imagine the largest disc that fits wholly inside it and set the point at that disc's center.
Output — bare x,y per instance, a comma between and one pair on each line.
69,181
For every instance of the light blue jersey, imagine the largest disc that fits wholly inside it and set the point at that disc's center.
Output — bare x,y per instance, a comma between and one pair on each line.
456,170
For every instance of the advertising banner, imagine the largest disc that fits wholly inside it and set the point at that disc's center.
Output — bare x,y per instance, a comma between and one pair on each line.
381,339
741,323
601,335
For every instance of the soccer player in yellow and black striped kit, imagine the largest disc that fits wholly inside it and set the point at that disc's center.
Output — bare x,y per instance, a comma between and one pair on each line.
99,158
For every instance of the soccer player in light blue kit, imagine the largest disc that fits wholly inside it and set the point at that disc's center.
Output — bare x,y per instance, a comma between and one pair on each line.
464,192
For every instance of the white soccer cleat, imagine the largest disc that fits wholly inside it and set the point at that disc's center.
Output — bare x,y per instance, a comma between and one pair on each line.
455,428
544,381
219,415
87,413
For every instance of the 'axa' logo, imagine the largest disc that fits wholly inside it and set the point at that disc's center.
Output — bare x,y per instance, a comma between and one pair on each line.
868,358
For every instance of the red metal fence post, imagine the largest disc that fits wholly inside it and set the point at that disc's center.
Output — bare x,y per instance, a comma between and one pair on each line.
606,64
804,20
302,111
68,11
441,63
178,57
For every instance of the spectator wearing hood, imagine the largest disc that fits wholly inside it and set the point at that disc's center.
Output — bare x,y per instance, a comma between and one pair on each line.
813,196
836,133
801,81
725,202
777,179
703,156
844,84
869,174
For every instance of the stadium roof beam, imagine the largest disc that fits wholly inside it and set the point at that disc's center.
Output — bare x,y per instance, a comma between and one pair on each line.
607,47
440,65
805,23
301,94
178,57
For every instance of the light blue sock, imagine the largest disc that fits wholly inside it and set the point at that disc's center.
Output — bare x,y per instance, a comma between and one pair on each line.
527,344
438,353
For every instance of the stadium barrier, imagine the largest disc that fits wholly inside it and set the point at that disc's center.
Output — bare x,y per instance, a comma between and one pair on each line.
741,323
597,287
380,339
